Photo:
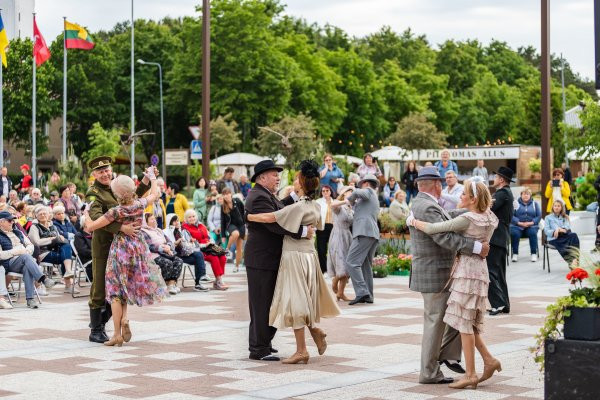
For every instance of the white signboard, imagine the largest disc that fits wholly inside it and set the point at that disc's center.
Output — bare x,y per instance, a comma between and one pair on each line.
176,157
466,153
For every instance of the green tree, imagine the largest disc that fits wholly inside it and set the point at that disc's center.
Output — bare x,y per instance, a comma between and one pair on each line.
460,61
415,132
223,135
405,49
103,142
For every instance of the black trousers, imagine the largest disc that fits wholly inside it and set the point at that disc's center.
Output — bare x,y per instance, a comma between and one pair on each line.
261,286
322,242
497,291
597,223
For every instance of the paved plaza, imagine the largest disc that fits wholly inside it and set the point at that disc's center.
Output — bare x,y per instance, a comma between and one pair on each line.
193,346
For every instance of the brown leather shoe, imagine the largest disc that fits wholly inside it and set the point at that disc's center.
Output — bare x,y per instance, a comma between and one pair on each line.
319,337
465,382
489,369
126,330
297,358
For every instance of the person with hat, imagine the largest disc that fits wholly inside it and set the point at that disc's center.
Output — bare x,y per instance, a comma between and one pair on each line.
101,199
503,207
54,196
26,181
365,238
16,256
262,256
433,257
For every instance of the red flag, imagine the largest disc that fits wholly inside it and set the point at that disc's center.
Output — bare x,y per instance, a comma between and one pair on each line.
40,50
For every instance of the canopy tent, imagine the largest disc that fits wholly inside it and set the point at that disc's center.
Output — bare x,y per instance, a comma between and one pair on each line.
586,155
242,163
391,153
348,159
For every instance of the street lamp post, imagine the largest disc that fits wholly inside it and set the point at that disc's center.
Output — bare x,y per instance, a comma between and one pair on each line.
162,122
132,94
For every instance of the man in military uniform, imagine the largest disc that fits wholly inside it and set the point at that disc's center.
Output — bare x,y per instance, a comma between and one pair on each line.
100,198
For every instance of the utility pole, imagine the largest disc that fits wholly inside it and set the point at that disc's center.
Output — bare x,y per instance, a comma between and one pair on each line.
545,100
206,89
564,106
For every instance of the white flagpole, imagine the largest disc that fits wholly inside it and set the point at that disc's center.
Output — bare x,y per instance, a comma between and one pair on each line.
33,123
64,121
1,111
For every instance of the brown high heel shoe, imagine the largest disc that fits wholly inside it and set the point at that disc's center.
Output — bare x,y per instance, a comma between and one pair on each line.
319,337
115,341
297,358
488,370
465,382
126,330
342,297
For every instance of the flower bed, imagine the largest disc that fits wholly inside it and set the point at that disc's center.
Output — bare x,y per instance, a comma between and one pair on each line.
384,265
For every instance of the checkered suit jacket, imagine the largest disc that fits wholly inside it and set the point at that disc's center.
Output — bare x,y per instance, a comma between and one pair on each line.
434,255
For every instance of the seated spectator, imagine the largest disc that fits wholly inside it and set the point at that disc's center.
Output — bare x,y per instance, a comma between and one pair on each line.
54,248
558,233
214,220
228,181
389,190
558,189
369,166
159,211
15,256
3,202
53,198
36,198
21,213
163,253
13,198
83,245
245,186
176,202
200,233
451,192
186,250
525,221
71,209
4,302
398,208
232,222
330,173
64,226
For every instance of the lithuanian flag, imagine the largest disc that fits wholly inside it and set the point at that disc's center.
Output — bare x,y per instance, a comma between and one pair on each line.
77,37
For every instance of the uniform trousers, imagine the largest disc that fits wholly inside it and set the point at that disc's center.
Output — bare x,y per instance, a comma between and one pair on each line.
261,286
498,290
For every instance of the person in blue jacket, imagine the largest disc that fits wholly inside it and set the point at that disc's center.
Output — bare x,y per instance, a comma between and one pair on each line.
445,164
330,174
558,233
525,223
64,226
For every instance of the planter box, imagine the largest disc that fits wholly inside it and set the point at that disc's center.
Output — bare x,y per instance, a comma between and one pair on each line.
583,324
377,273
401,273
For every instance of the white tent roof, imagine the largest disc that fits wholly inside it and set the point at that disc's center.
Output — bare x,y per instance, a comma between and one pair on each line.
243,159
390,153
585,155
349,159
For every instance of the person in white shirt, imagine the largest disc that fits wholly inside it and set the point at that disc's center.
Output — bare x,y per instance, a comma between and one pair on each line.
451,193
5,182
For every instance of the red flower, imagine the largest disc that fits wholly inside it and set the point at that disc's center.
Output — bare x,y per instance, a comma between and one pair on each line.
578,274
598,272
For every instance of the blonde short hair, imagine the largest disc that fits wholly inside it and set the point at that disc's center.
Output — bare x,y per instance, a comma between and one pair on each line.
58,209
526,190
39,208
399,191
189,212
123,187
484,198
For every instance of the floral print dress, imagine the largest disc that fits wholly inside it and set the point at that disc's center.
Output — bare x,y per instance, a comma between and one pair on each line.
131,275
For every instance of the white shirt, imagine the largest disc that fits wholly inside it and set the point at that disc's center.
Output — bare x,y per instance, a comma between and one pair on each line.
451,197
5,188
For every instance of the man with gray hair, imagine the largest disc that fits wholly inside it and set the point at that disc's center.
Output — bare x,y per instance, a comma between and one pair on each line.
433,257
36,198
451,193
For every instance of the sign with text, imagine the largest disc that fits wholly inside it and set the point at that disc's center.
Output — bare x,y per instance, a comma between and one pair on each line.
196,150
176,157
465,153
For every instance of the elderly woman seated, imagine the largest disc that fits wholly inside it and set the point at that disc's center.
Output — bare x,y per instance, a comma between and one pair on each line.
200,234
163,253
186,249
398,208
558,233
525,221
54,247
64,226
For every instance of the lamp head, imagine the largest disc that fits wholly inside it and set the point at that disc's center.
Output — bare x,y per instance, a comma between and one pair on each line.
140,61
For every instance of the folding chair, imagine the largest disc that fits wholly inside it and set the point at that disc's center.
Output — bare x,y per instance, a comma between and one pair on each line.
190,268
78,269
546,246
19,278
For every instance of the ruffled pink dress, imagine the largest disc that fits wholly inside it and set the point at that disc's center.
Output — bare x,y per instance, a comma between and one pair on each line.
469,279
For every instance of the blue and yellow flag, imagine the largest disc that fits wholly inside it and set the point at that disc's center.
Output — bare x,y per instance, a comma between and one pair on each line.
3,42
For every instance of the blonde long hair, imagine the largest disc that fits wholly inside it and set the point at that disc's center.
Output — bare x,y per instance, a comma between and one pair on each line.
483,196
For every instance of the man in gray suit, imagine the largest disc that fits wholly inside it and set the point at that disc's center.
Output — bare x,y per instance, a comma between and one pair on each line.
365,237
433,257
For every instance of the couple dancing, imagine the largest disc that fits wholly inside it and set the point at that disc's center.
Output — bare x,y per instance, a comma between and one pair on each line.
449,253
286,287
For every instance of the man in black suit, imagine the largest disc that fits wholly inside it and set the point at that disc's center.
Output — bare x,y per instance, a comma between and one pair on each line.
502,206
262,255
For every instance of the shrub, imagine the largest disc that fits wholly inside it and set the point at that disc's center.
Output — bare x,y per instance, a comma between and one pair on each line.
535,165
586,193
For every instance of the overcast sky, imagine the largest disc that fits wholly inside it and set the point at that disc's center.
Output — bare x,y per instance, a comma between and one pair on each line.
515,21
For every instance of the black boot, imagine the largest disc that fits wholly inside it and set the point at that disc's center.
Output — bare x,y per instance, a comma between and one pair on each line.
106,313
97,335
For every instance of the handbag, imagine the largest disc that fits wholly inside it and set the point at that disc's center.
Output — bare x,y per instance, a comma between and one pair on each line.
186,248
214,250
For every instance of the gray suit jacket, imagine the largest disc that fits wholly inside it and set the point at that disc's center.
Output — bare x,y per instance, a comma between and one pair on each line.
434,255
366,210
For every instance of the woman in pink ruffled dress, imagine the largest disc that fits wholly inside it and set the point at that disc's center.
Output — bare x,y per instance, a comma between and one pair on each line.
469,278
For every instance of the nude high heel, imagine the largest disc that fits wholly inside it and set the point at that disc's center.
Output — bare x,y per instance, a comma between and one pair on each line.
319,337
489,369
465,382
297,358
115,341
126,330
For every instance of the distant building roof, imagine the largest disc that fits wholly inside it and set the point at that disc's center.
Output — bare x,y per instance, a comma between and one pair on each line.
572,117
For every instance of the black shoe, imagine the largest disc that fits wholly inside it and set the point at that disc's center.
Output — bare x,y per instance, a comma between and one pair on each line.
506,310
268,357
453,366
496,311
370,300
361,299
445,380
274,350
98,336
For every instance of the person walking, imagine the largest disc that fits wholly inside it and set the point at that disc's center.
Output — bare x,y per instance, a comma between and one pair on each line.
339,244
502,206
101,199
433,257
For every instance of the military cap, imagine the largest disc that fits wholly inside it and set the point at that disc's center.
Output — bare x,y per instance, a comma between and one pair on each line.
99,162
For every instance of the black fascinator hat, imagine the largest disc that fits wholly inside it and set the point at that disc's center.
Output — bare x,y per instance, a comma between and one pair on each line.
309,168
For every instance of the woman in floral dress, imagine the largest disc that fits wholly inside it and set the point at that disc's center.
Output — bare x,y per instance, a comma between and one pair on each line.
339,243
131,275
469,279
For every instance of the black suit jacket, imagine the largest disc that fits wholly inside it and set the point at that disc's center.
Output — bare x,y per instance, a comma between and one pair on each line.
503,208
263,247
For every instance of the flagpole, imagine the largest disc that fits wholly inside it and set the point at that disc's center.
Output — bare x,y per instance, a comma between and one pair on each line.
132,99
33,123
1,110
64,121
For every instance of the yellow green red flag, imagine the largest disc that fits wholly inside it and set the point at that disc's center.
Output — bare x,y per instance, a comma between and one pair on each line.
77,37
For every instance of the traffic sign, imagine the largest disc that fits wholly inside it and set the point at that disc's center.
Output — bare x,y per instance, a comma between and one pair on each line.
196,150
195,131
154,160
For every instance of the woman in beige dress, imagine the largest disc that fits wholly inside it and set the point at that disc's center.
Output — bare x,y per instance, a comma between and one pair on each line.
469,278
301,295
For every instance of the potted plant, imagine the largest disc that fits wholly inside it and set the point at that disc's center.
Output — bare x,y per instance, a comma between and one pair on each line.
535,166
400,264
380,269
391,228
576,316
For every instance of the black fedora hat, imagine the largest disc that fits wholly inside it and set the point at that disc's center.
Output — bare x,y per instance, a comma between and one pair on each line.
506,173
263,166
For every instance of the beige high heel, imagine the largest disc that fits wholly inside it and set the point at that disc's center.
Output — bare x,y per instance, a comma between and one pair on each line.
297,358
465,382
319,337
125,330
115,341
489,369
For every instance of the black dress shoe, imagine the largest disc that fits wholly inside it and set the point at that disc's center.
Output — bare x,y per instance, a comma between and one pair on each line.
361,299
370,300
98,336
445,380
506,310
453,366
274,350
496,311
268,357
